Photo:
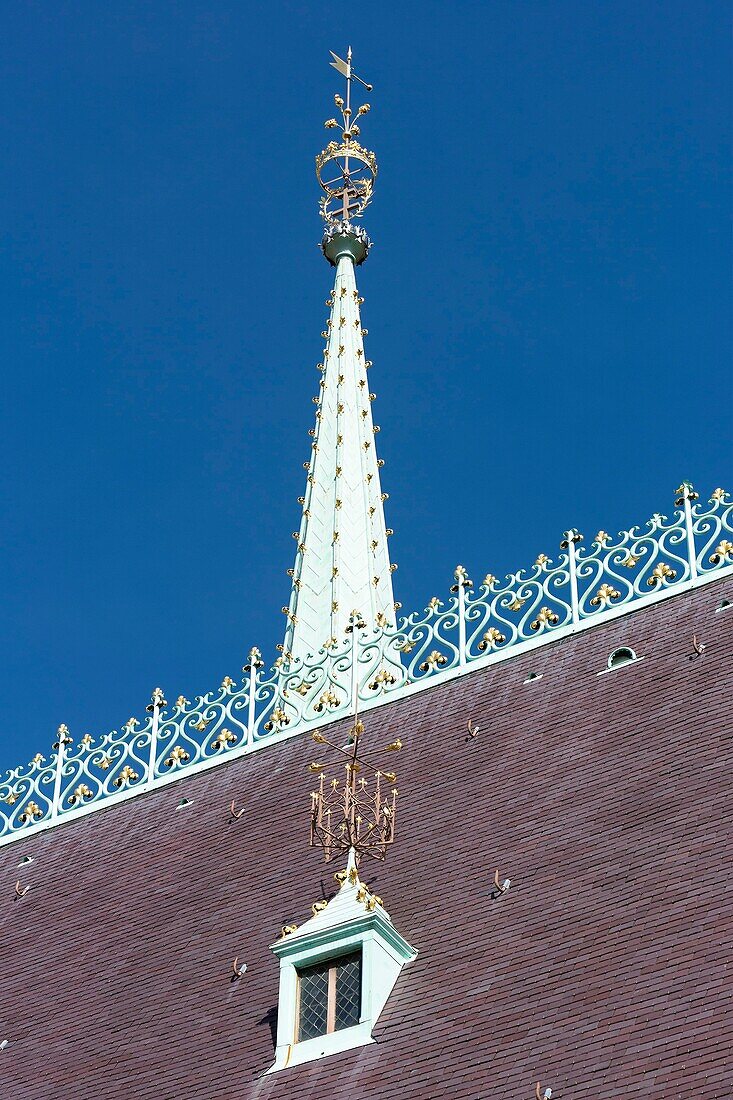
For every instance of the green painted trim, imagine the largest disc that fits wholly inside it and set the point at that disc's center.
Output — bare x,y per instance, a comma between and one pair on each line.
315,946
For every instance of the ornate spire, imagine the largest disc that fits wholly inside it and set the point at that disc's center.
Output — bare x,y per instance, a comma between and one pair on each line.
342,562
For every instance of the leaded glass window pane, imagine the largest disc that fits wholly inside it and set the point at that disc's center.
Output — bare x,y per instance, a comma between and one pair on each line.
329,996
348,992
313,1001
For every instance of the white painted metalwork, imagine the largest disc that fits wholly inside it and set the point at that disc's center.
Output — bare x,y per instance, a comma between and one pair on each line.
60,746
375,665
568,543
154,707
342,558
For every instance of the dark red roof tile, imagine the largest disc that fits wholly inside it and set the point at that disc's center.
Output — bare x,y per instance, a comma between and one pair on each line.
602,972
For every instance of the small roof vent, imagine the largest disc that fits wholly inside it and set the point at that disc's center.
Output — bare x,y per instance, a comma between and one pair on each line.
532,677
624,655
724,605
25,861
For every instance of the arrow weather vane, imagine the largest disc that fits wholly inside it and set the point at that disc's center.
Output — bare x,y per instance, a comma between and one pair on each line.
344,67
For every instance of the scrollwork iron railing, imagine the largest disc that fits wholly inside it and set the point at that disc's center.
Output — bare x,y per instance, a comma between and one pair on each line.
473,627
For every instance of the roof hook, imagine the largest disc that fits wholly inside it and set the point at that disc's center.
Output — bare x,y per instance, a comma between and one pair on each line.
237,970
500,887
236,814
21,891
472,730
698,646
542,1096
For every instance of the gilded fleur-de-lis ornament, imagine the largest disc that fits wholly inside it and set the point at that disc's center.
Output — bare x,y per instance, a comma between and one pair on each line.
64,738
157,699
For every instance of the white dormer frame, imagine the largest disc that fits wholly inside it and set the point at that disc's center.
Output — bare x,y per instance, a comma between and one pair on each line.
352,921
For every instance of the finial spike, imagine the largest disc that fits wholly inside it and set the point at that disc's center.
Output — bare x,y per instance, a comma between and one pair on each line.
345,170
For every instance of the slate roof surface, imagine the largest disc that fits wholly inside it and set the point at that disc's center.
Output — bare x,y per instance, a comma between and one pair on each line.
602,973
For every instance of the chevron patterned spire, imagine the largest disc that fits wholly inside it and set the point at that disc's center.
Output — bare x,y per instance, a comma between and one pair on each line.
342,562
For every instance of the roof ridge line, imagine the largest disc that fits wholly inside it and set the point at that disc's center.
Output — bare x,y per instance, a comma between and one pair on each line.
468,631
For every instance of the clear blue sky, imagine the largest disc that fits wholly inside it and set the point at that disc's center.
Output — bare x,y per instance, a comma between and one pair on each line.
548,304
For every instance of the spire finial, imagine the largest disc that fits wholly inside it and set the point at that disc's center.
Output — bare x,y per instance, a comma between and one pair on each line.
345,169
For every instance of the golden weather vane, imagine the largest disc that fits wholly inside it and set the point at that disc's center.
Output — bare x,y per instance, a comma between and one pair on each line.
349,813
345,169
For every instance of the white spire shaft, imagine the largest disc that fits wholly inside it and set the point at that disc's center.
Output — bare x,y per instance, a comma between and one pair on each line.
342,563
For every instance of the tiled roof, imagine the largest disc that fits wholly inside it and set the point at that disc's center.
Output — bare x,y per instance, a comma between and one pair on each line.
601,973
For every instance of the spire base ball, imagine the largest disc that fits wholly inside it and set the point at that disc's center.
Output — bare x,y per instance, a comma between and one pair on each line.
345,239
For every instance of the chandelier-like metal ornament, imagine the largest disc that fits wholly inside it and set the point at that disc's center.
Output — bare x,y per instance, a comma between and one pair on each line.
353,811
345,169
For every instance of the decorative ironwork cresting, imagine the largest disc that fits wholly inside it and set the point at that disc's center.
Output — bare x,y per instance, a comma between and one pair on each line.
587,584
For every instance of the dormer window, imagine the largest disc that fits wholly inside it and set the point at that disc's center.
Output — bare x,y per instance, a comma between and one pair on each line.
336,972
329,996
